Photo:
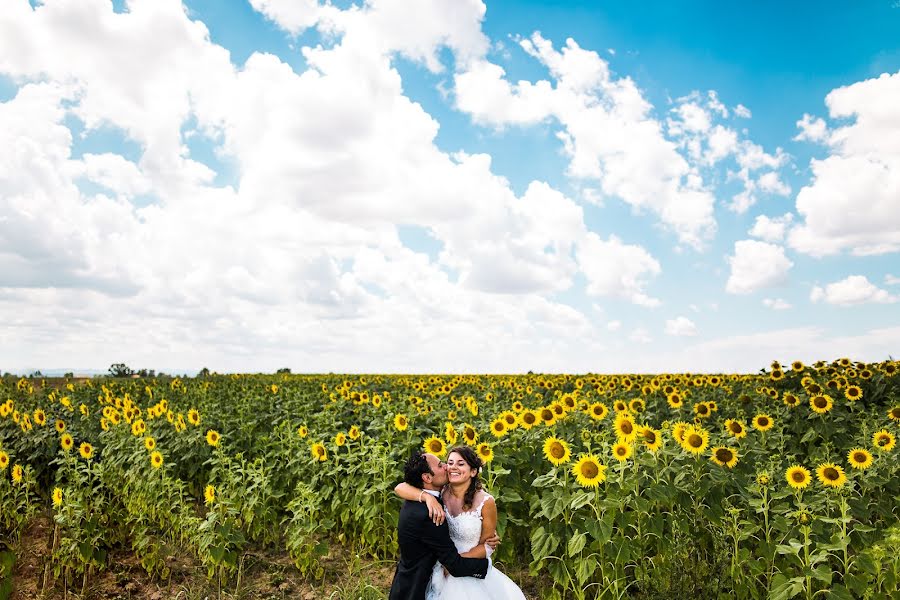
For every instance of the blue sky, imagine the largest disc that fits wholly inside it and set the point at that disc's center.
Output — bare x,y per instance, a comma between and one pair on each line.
150,159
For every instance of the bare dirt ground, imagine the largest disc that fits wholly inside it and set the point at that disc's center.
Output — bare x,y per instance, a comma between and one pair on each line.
265,575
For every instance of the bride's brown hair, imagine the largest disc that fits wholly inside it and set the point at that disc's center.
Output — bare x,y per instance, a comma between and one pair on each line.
474,461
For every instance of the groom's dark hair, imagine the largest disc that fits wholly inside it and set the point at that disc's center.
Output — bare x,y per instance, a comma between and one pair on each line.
415,467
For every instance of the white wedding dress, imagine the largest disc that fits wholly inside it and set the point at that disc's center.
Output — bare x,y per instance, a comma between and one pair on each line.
465,531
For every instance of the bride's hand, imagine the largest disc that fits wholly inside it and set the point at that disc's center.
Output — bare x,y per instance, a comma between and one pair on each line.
435,510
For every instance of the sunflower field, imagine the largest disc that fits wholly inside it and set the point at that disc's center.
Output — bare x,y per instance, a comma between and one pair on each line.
782,484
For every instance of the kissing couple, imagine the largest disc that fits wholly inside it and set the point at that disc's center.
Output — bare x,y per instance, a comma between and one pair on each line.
447,532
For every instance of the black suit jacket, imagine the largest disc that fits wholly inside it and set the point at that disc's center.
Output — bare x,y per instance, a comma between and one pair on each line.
422,544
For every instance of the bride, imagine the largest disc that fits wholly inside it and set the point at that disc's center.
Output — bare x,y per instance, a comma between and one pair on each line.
472,517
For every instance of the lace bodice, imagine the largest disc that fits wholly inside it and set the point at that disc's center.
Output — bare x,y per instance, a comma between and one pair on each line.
465,528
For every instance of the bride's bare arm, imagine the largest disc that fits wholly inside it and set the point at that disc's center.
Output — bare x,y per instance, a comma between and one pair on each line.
414,494
489,524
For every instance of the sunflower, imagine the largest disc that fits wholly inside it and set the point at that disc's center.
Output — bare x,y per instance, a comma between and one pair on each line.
138,428
86,451
831,475
528,419
588,471
17,473
622,451
559,411
859,458
625,428
735,428
797,366
4,460
853,393
821,403
894,413
450,433
518,406
556,451
209,494
620,406
598,411
354,433
701,409
724,457
469,434
57,497
797,477
776,375
498,427
762,479
675,400
435,445
763,422
40,417
303,431
400,422
678,430
67,442
156,459
149,443
637,405
60,425
548,417
884,440
319,453
791,400
193,417
652,438
485,452
213,437
340,439
696,439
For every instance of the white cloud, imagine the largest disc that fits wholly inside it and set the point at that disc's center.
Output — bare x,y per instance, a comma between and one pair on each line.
615,269
640,336
854,290
614,325
294,16
853,201
756,265
608,132
771,229
776,303
891,280
812,129
742,111
681,327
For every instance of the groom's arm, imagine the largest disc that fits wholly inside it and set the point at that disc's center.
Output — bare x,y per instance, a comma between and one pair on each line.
437,538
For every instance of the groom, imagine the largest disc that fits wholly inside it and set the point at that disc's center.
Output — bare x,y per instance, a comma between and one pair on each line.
422,543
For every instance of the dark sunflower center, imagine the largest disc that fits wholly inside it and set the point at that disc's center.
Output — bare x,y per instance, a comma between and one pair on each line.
590,470
695,441
724,455
650,437
702,409
859,457
626,427
621,450
798,476
831,474
763,422
820,402
557,451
